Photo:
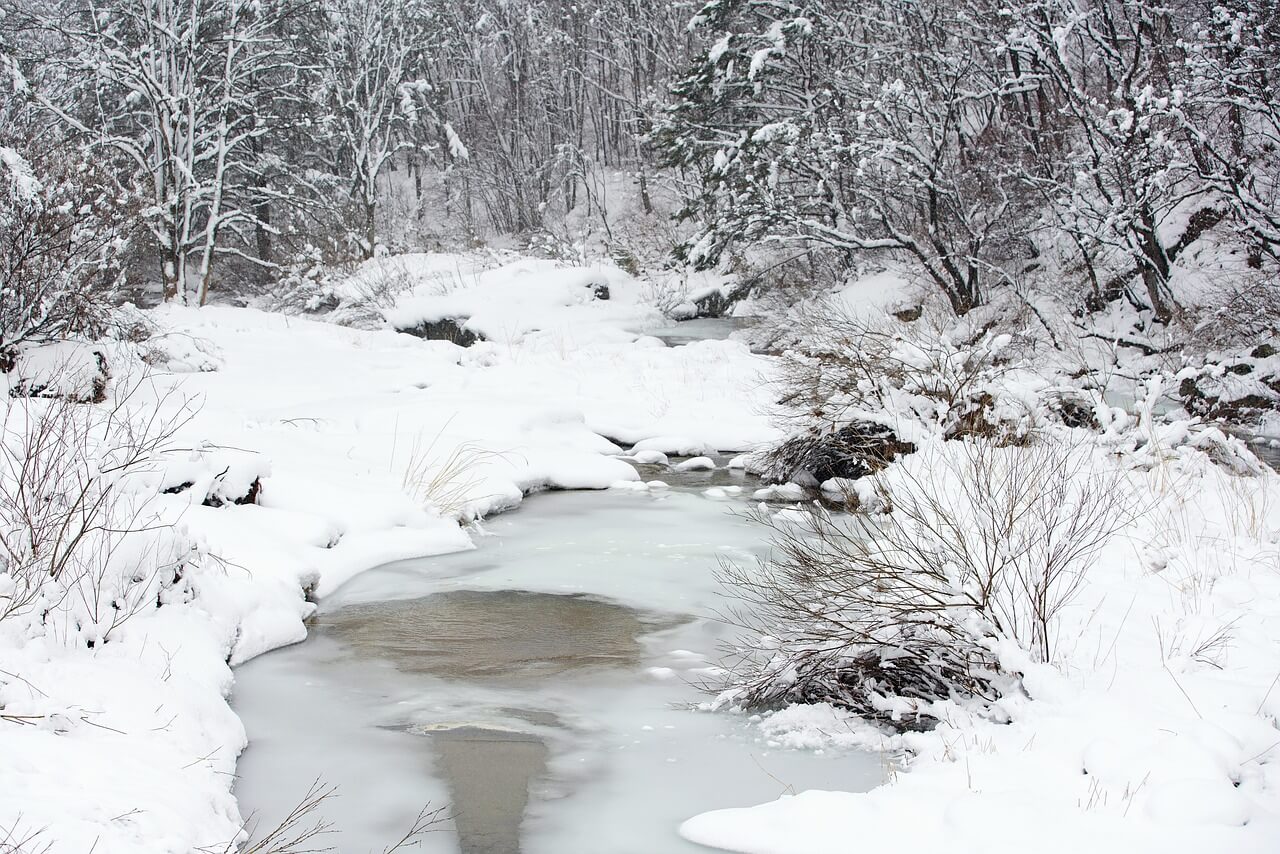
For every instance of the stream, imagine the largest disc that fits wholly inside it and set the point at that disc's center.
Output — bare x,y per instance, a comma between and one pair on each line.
540,687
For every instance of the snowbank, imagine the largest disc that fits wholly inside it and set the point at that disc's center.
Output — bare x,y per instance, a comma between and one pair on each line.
316,452
1154,731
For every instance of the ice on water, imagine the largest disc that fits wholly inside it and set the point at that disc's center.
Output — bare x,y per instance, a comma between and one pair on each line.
608,755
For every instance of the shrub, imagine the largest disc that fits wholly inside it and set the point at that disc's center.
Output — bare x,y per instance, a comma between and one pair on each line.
63,231
856,393
81,548
884,613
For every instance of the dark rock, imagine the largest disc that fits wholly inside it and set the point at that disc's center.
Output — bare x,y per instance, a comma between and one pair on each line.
853,451
908,315
56,385
599,290
1263,351
1074,412
215,496
445,329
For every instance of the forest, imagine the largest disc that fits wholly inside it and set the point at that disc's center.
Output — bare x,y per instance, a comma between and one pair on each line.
639,427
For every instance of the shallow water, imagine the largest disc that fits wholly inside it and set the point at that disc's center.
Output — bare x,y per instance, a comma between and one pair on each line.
700,329
1267,449
538,685
503,634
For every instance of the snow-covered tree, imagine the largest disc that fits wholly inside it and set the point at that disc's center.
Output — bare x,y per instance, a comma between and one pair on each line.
372,97
167,87
63,229
1232,71
881,126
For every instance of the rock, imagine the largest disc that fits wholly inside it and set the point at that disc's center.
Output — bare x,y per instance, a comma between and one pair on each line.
680,446
71,370
684,311
599,290
1074,411
451,329
696,464
650,458
215,477
853,451
781,492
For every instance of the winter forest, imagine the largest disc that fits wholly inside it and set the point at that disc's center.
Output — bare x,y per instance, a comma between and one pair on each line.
640,427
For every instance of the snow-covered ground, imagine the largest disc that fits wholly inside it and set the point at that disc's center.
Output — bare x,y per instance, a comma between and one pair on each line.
1155,731
369,444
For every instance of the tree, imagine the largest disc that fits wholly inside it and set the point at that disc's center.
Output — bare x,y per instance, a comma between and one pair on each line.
884,126
167,87
63,230
372,51
1232,113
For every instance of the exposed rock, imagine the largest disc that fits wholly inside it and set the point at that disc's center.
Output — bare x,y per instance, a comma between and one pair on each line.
451,329
696,464
853,451
1073,412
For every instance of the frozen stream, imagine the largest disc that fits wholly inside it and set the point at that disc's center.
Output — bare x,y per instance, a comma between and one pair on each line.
537,685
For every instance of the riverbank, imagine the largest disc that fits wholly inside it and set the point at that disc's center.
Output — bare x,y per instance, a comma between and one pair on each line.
367,446
311,452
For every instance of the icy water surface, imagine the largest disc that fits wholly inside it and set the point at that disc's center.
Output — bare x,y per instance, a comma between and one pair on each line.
539,686
699,329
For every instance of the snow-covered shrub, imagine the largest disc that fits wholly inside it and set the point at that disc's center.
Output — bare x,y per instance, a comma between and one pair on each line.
305,285
976,543
82,548
63,229
367,295
858,392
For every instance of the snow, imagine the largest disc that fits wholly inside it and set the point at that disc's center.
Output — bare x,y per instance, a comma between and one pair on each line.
368,445
1154,731
539,303
25,185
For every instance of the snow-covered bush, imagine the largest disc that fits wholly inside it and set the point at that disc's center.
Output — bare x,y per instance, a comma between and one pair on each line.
975,543
858,392
62,235
82,549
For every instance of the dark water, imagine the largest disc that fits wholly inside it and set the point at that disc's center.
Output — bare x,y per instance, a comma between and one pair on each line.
491,634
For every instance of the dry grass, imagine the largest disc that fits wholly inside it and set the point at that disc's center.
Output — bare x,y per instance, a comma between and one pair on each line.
449,481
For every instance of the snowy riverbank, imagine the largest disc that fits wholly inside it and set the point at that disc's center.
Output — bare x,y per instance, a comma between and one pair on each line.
1153,730
131,745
